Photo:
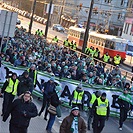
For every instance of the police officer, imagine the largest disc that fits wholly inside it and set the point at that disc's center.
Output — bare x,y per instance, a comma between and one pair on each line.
92,51
117,59
41,33
78,97
9,89
55,39
71,45
37,32
101,107
33,75
74,46
106,57
66,43
97,53
125,103
87,50
94,96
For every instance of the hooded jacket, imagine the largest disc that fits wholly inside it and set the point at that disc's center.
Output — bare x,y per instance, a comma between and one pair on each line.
67,122
18,110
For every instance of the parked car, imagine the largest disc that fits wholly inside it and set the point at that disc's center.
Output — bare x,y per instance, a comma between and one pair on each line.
18,22
58,27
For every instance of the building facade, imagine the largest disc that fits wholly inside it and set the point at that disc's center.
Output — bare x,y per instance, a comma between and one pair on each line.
127,32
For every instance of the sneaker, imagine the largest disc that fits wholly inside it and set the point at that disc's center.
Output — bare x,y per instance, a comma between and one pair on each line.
120,128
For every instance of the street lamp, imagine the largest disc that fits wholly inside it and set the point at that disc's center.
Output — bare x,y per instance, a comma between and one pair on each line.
31,20
47,24
87,27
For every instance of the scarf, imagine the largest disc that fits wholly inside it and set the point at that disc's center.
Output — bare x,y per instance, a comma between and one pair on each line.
74,126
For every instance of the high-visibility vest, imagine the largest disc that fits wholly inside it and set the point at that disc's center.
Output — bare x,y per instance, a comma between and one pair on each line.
74,46
87,50
12,87
41,33
117,60
102,107
35,74
37,32
77,99
55,39
96,53
93,98
66,43
106,58
92,52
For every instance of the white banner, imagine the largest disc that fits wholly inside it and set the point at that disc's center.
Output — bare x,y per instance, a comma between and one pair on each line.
69,86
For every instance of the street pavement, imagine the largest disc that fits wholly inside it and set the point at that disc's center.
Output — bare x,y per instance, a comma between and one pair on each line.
38,124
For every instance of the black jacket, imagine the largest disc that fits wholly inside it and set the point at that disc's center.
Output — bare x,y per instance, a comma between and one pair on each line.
25,84
17,111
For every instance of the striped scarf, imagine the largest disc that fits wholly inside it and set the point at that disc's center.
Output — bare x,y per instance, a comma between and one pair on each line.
74,126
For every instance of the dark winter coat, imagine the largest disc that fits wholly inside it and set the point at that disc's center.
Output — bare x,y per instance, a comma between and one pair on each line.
67,122
26,84
17,111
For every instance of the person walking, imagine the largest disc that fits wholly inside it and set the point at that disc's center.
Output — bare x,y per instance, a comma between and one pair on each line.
102,110
33,75
73,123
21,110
78,97
26,83
47,90
55,102
10,89
94,96
125,103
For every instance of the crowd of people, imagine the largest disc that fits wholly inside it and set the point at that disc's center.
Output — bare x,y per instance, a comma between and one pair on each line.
33,52
25,49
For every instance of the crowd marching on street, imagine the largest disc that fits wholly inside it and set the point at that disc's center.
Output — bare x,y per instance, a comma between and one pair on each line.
32,52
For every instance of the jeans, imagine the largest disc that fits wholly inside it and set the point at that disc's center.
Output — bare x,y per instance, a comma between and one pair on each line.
50,122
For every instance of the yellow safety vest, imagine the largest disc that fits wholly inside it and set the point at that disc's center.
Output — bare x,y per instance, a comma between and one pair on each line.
93,98
37,32
92,52
66,43
55,39
74,46
106,58
40,33
12,87
87,50
77,99
117,60
96,53
35,73
102,107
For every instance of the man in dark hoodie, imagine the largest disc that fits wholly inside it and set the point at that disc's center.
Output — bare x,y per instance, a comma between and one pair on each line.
78,97
125,103
101,107
21,110
10,89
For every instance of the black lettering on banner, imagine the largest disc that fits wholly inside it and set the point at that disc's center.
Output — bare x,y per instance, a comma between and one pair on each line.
66,92
114,102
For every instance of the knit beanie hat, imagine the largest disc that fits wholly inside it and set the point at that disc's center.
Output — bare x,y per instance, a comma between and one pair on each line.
74,108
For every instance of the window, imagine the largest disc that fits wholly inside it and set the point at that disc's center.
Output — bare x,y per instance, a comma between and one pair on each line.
82,36
127,29
122,2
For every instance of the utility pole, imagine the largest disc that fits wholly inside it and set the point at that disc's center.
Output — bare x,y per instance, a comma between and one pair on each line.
31,20
87,27
61,12
47,24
